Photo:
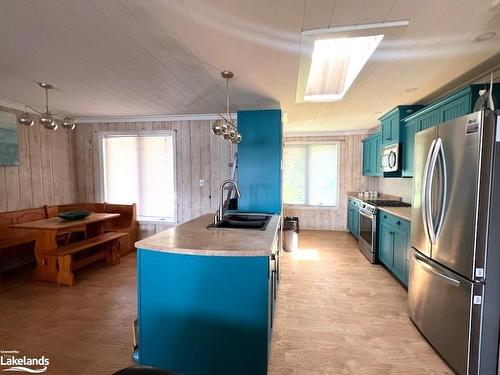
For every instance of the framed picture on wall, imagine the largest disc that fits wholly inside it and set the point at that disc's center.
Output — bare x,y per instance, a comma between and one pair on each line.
9,143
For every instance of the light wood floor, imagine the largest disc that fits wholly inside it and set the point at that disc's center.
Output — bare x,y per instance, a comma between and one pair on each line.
339,314
336,314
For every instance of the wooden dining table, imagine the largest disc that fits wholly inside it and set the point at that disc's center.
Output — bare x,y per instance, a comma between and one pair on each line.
46,234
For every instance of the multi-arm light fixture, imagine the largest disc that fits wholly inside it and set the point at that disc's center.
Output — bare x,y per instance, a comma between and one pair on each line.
225,125
47,119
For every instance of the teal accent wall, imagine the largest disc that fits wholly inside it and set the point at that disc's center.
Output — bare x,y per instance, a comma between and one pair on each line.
204,314
259,161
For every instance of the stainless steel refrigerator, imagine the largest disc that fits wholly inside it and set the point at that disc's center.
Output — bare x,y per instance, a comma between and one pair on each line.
454,277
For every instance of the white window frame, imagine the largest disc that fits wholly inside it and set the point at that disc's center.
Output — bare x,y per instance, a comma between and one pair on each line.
310,142
100,173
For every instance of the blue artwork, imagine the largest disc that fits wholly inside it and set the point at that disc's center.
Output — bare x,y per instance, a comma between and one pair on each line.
9,144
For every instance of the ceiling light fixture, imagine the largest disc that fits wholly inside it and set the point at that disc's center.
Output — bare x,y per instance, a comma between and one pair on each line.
411,89
335,65
486,36
225,126
47,119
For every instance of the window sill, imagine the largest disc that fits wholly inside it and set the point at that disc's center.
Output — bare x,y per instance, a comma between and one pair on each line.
306,207
144,220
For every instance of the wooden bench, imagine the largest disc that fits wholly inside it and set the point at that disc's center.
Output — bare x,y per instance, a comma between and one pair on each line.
126,223
79,254
17,245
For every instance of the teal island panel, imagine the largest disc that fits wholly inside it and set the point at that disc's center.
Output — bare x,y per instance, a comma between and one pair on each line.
259,161
204,314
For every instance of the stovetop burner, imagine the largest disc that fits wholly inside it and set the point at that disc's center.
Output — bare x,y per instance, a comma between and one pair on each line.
387,203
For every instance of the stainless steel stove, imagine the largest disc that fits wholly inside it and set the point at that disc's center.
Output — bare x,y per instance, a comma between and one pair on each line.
368,225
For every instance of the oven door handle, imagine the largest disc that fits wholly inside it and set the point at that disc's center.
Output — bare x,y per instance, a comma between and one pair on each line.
368,216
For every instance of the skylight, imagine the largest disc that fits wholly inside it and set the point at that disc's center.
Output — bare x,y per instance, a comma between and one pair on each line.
335,65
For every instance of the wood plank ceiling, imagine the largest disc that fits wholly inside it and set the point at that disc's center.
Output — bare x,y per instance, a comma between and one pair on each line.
150,57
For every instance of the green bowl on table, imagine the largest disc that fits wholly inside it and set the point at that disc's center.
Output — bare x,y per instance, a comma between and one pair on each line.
74,215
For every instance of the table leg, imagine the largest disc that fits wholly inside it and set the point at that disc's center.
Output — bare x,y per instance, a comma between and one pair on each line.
46,265
113,252
65,275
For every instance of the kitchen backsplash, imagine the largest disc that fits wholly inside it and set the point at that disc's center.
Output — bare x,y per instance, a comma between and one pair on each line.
402,187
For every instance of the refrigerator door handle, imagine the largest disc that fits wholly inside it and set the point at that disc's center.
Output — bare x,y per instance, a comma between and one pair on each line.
429,268
444,189
424,192
428,209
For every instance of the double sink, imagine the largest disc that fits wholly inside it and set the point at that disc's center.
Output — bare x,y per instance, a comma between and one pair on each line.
242,221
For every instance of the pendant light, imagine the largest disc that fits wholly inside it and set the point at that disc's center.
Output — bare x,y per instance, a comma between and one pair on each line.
225,125
47,119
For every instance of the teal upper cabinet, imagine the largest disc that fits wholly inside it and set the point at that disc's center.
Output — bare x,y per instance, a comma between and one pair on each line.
455,105
259,161
371,155
428,120
392,123
410,129
458,104
376,147
367,154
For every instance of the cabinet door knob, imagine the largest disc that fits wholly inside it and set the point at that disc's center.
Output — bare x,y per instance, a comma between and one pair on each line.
385,216
398,223
391,233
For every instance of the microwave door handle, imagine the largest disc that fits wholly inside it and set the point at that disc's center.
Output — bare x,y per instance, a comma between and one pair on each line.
391,159
423,193
444,189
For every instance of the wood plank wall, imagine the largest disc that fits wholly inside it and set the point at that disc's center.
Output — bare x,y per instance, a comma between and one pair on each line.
351,179
46,173
200,155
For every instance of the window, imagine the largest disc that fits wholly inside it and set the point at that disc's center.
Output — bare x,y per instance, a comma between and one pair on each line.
140,168
310,174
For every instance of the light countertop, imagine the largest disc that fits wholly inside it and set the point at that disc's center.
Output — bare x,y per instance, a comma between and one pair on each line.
194,238
382,197
402,212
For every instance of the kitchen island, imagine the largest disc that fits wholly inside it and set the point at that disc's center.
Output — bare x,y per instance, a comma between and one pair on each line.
206,298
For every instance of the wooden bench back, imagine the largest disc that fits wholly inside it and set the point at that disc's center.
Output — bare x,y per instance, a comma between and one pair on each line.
6,219
127,218
93,207
18,217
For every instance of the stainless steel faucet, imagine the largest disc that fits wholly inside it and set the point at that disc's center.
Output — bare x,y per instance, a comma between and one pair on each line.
220,212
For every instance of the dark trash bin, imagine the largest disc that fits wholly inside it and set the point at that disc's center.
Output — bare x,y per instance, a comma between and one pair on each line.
291,233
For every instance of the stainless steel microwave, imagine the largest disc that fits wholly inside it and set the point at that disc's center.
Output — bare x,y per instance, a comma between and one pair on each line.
390,158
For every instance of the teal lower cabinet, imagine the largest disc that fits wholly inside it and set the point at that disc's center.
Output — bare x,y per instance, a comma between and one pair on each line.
393,244
386,244
353,216
205,314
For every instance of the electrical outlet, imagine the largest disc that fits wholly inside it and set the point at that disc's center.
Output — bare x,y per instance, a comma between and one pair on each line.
202,182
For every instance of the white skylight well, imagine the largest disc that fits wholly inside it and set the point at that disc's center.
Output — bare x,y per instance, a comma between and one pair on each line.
335,65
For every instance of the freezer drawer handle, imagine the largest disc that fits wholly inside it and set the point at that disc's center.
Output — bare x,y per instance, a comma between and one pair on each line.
430,269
